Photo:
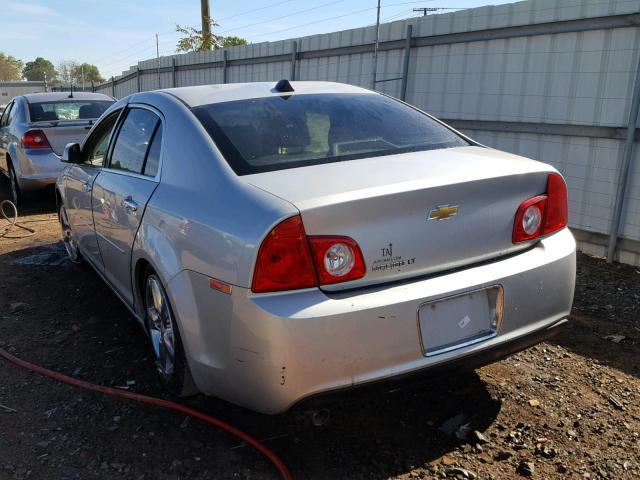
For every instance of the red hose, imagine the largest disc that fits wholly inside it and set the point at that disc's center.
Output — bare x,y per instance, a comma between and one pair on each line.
279,464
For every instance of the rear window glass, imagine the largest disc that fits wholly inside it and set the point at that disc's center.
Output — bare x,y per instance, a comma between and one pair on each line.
274,133
67,110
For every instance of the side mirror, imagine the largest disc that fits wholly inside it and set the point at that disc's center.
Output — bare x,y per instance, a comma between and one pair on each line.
71,153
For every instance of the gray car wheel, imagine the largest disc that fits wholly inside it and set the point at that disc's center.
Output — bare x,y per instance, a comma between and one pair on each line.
68,238
14,188
165,339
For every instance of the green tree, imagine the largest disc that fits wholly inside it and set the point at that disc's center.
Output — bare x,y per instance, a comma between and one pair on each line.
196,41
10,68
40,69
91,73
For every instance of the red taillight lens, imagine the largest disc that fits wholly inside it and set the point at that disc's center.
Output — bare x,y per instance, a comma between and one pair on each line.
35,139
542,214
284,260
338,259
529,219
557,216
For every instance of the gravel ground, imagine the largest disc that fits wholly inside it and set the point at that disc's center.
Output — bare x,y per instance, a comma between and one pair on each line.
564,409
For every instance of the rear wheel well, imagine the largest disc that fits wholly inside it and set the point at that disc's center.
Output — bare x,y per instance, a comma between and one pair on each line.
58,200
142,266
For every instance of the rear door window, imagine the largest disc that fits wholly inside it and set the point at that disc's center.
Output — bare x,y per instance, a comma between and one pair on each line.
273,133
153,157
133,141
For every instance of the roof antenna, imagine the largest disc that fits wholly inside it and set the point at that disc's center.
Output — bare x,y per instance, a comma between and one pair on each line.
283,86
71,94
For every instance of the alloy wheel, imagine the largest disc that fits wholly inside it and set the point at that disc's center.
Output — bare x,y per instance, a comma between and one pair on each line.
160,324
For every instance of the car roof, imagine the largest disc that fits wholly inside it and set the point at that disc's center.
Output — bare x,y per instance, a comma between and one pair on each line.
207,94
55,96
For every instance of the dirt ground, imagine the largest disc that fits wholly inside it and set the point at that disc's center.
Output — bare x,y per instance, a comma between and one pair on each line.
565,409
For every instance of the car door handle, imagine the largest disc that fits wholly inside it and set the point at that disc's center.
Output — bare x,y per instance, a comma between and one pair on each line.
129,204
86,187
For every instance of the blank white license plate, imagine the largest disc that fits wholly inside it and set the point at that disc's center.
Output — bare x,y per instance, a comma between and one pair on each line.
460,320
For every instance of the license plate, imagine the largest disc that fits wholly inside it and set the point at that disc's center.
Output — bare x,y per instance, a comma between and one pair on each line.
460,320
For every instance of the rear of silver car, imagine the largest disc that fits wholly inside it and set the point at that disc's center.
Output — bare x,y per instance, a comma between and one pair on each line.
453,266
43,124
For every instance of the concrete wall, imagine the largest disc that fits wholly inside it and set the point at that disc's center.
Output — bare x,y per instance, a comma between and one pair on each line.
548,79
8,90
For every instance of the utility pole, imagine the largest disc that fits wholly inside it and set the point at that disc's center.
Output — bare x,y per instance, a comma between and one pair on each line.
424,10
45,81
158,61
375,48
82,70
206,20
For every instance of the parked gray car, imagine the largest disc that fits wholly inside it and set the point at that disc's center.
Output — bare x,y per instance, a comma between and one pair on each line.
278,241
34,129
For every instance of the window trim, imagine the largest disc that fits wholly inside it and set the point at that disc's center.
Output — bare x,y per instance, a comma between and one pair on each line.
90,136
121,121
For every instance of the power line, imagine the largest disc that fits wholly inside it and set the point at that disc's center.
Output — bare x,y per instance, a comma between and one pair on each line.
282,16
334,18
253,10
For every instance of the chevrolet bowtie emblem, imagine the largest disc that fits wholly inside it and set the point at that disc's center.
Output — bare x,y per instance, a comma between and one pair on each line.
443,212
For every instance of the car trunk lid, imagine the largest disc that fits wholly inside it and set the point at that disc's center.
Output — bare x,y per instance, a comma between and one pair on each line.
60,133
415,213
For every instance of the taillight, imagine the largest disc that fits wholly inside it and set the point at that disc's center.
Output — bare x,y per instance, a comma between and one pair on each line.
542,214
35,139
284,260
338,259
289,260
558,204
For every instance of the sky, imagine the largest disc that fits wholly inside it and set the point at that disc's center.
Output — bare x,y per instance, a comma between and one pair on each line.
115,34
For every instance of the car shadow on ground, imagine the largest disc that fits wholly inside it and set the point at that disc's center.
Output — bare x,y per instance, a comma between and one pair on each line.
34,203
71,322
604,323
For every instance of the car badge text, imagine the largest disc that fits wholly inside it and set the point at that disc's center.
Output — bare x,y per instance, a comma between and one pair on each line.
443,212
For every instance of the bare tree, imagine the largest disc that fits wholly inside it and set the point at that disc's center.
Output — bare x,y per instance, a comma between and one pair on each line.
67,70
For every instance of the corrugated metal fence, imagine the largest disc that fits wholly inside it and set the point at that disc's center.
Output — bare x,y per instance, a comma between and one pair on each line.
554,80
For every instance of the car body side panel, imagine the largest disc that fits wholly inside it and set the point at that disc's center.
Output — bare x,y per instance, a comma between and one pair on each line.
116,226
277,349
192,220
75,185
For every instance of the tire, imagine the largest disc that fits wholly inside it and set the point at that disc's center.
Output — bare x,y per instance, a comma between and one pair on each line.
14,188
164,338
68,238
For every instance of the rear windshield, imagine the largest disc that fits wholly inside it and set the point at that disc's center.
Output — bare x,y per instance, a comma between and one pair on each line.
274,133
67,110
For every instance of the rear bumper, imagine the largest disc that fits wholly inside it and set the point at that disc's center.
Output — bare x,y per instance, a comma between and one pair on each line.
38,169
269,351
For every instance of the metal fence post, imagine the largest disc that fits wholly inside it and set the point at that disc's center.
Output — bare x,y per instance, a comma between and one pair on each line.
294,59
138,77
113,87
224,66
624,179
173,72
405,66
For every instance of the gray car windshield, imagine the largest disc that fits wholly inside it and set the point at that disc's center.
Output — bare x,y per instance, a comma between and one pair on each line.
274,133
67,110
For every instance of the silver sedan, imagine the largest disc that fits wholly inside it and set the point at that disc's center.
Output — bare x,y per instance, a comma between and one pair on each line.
34,130
278,241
